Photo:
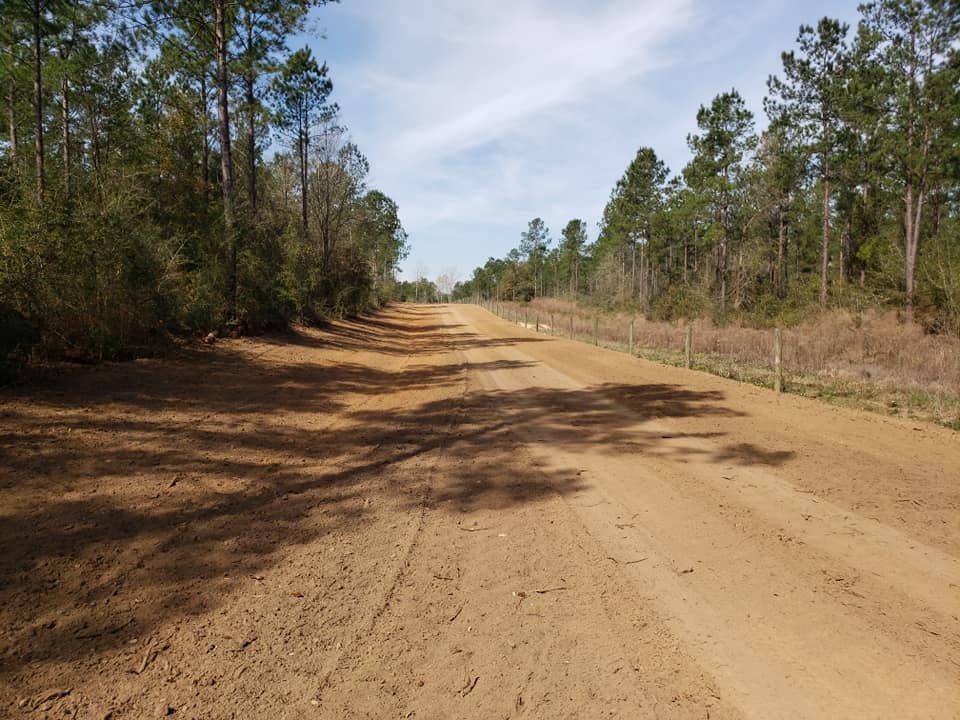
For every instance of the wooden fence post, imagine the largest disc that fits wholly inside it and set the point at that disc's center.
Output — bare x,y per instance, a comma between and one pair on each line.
630,338
596,330
688,347
525,311
777,360
553,325
537,321
572,336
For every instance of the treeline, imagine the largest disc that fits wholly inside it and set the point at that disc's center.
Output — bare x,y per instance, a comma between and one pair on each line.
420,290
171,167
849,198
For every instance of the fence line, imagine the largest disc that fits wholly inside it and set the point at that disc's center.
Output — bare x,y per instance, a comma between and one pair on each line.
602,335
777,359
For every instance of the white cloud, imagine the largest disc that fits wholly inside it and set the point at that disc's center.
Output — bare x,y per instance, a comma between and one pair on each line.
455,75
478,116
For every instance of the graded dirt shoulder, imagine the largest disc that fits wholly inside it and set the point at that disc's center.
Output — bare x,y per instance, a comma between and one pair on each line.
435,513
806,555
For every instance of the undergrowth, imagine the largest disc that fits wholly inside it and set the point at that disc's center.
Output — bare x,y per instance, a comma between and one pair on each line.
870,360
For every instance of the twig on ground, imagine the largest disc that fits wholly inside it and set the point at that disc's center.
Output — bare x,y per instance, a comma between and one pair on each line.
50,697
468,688
626,562
153,649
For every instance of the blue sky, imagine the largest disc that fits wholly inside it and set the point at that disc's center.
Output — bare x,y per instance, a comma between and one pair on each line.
478,116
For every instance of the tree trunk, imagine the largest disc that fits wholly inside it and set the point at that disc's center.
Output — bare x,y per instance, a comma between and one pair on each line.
12,120
226,158
249,79
65,120
723,251
912,241
302,146
623,272
251,147
644,274
205,155
738,281
907,238
779,284
38,100
722,270
912,220
95,142
842,254
825,240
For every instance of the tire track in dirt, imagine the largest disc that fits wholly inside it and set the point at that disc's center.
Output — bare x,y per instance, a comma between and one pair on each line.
247,562
490,621
762,620
412,471
432,513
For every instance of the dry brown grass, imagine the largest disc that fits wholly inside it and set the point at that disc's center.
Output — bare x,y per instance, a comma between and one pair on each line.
871,359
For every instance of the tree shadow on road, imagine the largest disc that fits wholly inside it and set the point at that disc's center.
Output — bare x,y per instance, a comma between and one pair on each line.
139,494
390,332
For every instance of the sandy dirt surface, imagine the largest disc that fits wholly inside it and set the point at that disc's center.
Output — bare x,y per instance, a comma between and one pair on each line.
434,514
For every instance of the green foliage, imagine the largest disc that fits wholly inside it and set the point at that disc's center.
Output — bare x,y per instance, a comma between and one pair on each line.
136,236
939,272
570,255
90,277
421,290
17,336
854,187
534,244
679,302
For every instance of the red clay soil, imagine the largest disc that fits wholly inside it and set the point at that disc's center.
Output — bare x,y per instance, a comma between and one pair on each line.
434,513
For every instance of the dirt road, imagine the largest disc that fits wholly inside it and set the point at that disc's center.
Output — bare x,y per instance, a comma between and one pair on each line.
437,514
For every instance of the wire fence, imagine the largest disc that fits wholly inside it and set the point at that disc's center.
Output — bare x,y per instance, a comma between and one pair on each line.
872,350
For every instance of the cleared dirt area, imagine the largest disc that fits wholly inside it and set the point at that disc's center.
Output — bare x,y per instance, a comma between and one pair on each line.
434,514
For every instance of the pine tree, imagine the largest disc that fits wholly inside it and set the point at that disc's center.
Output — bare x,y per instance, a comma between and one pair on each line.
809,97
725,138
